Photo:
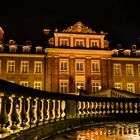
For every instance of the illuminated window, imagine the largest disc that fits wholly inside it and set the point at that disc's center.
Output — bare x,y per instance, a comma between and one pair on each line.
118,86
24,67
24,83
10,66
117,69
79,42
64,42
80,67
129,70
95,43
79,85
95,66
37,67
138,69
38,85
63,86
63,66
130,87
0,66
96,86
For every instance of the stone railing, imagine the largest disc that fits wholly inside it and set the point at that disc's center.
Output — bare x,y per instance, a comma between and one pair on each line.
31,114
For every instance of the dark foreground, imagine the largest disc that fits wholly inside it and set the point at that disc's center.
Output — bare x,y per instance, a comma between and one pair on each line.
103,131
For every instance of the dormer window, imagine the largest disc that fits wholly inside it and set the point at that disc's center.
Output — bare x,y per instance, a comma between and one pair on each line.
126,52
137,53
1,47
26,48
12,48
115,52
38,49
64,42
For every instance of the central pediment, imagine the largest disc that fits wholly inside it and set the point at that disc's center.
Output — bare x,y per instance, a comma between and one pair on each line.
79,27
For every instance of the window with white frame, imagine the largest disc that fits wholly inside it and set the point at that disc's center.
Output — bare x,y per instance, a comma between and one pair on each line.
94,43
95,66
24,83
64,42
63,65
0,65
38,85
38,67
138,69
130,87
96,86
63,86
118,86
10,66
79,85
80,66
129,70
24,66
79,43
117,69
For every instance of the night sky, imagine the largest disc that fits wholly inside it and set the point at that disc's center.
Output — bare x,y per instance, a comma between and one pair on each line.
25,20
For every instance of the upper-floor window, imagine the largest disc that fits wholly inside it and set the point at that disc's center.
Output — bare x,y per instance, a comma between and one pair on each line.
138,69
96,86
63,66
37,67
95,43
117,69
118,86
79,67
129,70
26,48
38,85
24,83
24,67
63,42
79,42
10,66
95,66
63,86
130,87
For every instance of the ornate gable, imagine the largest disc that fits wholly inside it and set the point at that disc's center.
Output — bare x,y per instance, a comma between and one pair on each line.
79,27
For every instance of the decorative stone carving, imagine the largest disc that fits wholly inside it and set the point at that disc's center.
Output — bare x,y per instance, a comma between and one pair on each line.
79,27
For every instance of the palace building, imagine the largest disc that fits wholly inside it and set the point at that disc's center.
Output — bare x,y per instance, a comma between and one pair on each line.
76,57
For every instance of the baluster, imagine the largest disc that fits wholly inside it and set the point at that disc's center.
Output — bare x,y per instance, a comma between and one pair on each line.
79,109
121,107
108,107
83,108
87,108
22,114
52,110
99,107
30,112
47,111
135,107
126,107
58,110
42,112
63,107
91,108
130,107
3,117
95,107
104,108
112,107
117,107
13,116
37,112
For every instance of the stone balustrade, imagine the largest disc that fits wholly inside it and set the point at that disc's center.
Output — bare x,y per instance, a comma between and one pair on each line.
21,111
